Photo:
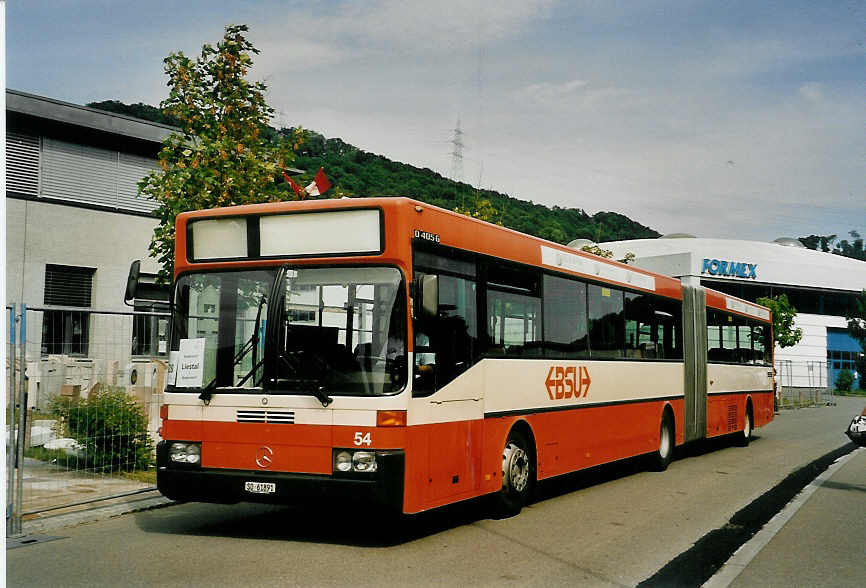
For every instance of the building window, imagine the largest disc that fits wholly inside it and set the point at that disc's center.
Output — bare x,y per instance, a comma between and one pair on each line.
66,331
149,329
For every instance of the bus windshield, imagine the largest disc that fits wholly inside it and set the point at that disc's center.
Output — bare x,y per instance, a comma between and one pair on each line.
335,331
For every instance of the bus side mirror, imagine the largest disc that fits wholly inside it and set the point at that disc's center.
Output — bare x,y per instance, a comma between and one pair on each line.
132,282
427,294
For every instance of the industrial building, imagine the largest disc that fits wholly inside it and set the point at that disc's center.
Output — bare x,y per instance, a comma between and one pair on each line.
822,287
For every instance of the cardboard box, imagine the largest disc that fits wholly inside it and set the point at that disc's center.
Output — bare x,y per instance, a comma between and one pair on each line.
70,390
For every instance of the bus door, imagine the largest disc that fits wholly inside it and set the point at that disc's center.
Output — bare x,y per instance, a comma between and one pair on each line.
447,394
695,354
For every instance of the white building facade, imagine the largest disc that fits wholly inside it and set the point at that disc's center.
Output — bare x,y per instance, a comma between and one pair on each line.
74,223
821,286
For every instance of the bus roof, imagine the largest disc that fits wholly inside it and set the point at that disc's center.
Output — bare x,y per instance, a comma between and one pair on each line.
408,219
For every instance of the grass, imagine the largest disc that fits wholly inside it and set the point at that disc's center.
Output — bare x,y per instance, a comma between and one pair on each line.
62,459
144,476
860,392
51,455
797,403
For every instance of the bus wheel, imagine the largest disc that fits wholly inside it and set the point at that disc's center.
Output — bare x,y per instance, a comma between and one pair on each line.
662,456
518,475
746,434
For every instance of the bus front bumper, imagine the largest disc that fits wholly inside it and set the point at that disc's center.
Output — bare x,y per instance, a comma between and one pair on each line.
184,484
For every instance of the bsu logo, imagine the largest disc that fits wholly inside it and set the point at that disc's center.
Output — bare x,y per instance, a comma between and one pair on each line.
567,382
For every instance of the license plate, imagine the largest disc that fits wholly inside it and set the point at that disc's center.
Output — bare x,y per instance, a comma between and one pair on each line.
260,487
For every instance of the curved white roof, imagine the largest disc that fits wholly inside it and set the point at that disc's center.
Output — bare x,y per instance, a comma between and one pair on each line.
773,263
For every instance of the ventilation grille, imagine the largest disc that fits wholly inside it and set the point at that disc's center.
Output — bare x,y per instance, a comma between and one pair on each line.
732,418
81,173
67,285
286,417
22,163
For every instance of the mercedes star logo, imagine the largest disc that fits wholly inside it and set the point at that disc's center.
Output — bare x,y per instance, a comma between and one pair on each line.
263,456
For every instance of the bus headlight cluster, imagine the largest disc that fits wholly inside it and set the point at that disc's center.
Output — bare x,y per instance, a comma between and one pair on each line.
185,452
346,460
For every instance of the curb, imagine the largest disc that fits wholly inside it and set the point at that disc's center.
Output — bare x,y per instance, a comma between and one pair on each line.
91,515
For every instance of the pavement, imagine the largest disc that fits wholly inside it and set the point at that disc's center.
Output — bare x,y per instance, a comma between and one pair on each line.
818,539
48,488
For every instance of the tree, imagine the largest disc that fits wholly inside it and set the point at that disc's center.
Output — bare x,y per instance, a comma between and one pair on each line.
607,253
857,320
818,242
783,320
857,329
138,110
844,381
482,209
855,248
220,157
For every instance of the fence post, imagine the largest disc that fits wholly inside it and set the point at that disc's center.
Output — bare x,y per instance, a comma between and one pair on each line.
11,451
22,416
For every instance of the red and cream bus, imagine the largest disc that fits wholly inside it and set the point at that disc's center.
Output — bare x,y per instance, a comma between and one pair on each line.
388,350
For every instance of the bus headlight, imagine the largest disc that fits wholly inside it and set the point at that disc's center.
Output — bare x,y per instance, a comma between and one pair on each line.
343,461
185,452
364,461
348,460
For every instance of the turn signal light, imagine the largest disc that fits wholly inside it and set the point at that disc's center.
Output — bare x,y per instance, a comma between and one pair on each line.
390,418
163,412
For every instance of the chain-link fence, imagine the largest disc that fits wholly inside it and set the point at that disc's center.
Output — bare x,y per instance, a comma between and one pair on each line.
88,388
803,383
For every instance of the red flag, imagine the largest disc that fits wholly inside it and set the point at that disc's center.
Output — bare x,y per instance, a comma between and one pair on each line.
319,185
298,190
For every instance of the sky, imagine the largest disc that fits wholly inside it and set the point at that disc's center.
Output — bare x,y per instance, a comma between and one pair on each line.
736,119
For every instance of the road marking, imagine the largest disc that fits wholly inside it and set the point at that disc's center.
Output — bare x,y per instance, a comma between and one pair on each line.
747,552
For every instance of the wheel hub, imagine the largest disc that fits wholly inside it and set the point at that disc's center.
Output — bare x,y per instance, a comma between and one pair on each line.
515,468
665,442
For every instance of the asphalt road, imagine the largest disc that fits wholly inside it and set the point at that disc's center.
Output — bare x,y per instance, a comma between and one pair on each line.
613,526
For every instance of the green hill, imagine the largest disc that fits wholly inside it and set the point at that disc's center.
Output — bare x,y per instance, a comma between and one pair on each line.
358,173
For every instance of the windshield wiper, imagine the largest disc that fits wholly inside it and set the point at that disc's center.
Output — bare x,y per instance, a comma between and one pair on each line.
312,386
252,344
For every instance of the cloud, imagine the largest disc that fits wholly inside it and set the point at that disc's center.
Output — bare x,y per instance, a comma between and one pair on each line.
812,92
441,25
545,91
281,55
355,29
633,107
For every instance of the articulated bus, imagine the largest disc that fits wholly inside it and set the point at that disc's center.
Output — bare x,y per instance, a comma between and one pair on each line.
394,352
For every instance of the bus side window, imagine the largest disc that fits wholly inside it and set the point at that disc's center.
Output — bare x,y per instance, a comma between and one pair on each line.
744,341
513,311
445,343
606,325
669,314
641,328
760,336
714,336
564,318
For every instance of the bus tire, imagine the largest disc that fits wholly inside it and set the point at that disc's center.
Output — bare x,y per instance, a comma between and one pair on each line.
518,476
662,456
745,436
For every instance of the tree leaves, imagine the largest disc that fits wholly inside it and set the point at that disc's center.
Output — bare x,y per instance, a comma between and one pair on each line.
219,157
783,320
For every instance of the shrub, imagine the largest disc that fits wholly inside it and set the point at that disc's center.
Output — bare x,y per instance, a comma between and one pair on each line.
110,425
860,366
844,381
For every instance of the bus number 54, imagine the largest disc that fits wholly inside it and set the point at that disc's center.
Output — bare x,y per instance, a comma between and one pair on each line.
362,439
